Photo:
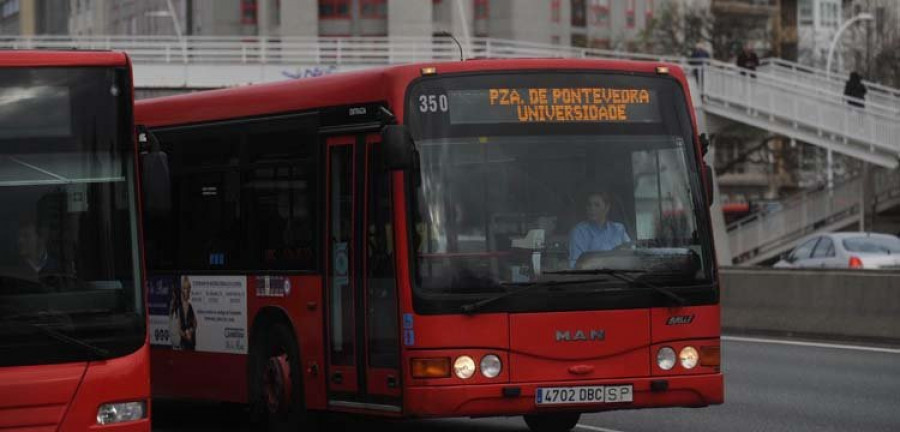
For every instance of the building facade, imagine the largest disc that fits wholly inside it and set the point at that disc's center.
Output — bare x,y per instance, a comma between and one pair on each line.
817,23
583,23
34,17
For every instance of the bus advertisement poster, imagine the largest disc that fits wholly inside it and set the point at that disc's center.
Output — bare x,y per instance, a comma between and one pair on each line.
201,313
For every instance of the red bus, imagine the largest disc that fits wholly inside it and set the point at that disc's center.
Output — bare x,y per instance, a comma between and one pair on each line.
74,351
415,241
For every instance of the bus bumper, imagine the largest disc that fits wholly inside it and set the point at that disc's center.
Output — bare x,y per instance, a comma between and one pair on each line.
517,399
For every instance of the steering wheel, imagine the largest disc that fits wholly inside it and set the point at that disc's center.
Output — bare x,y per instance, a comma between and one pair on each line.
59,280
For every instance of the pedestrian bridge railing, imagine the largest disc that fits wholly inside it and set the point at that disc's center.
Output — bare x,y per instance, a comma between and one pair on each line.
880,96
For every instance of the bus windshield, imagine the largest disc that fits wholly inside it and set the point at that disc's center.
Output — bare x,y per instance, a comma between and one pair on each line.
69,265
535,177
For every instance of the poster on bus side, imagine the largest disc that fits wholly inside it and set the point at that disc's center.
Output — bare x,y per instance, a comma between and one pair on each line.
199,313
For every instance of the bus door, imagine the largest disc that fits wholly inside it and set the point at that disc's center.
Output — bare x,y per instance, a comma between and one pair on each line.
362,320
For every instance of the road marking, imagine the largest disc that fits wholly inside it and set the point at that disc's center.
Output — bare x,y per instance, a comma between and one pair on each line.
812,344
594,428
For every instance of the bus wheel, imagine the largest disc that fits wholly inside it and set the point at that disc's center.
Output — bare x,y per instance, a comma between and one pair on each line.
556,422
278,386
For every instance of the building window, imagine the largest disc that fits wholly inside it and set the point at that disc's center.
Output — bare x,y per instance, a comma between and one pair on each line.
248,12
629,14
805,12
10,8
555,10
373,8
579,13
482,11
599,12
334,9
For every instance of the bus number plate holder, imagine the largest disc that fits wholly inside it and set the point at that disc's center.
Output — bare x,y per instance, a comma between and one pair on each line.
583,395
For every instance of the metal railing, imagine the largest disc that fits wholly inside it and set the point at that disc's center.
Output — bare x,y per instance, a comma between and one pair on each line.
306,50
800,215
820,118
878,95
807,212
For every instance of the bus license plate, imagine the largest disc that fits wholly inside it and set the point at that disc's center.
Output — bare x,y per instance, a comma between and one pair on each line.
583,395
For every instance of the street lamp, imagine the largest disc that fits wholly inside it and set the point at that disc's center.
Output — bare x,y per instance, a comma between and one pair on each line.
862,16
837,36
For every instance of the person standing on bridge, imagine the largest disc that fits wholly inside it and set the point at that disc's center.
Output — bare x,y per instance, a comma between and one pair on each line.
747,59
855,90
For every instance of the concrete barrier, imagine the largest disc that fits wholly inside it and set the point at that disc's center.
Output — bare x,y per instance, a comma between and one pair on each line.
834,304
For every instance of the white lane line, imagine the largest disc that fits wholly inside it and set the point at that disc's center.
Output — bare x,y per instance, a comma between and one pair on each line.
812,344
594,428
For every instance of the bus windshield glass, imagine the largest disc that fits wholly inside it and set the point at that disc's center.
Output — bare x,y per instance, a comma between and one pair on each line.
525,178
69,265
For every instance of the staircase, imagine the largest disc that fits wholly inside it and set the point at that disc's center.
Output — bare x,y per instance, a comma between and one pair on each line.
764,236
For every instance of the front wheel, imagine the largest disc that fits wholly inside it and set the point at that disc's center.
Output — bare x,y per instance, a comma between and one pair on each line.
556,422
277,385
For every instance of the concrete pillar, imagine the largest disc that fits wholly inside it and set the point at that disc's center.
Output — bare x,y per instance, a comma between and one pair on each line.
300,18
410,18
27,17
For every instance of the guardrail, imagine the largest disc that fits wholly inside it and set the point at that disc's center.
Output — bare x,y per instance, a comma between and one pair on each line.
305,50
880,95
807,211
826,303
826,115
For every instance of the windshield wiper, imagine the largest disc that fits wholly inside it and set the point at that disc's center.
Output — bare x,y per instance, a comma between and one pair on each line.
525,286
625,276
59,336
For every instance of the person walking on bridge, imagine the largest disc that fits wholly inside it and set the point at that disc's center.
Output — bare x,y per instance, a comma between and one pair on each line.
855,90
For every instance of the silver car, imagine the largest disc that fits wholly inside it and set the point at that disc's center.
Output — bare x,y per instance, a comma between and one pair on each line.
845,250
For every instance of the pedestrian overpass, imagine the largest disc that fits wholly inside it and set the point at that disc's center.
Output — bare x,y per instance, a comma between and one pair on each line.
795,101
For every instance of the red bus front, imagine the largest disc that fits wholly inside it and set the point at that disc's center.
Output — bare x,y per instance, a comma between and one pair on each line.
558,247
73,351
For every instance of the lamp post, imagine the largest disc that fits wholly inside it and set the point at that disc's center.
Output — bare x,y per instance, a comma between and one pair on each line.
834,42
837,36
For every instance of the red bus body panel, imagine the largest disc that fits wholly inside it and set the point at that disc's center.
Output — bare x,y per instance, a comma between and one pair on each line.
525,342
67,397
62,58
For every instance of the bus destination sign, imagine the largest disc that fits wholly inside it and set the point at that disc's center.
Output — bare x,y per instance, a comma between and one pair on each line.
553,105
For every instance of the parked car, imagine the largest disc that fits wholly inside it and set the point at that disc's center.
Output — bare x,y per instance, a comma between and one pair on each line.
845,250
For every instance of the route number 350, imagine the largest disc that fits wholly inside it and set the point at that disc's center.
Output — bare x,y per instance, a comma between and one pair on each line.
433,103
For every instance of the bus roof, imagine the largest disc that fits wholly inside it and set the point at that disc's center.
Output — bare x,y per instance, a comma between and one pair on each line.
346,88
23,58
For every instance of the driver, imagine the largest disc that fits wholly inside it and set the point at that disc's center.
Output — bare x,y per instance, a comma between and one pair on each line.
597,233
31,241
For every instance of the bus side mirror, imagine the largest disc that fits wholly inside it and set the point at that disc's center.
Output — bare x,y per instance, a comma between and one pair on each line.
399,148
708,184
155,178
704,144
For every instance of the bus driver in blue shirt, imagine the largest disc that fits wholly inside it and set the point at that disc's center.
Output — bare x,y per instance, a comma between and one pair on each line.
597,233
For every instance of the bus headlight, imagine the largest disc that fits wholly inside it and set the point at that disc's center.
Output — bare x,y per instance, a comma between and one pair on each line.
464,367
112,413
665,358
491,366
689,357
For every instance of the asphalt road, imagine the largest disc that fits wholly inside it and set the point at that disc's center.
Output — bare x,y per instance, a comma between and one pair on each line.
768,387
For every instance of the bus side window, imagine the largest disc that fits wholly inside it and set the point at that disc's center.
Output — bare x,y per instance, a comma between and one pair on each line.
279,197
209,216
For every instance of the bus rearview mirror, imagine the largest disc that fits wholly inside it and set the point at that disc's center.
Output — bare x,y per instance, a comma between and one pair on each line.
399,148
708,184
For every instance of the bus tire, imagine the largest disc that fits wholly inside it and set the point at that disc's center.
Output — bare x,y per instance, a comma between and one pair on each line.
555,422
276,383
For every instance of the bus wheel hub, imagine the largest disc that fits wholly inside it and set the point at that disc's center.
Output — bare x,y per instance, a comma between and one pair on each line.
277,385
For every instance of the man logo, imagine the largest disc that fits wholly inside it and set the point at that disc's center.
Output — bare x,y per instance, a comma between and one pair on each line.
580,335
680,320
